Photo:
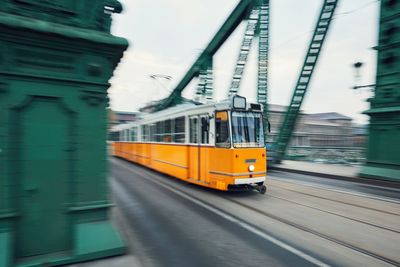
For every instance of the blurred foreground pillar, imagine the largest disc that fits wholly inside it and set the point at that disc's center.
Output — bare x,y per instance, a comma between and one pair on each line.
383,153
56,58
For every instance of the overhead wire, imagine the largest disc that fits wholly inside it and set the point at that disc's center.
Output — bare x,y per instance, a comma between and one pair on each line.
357,9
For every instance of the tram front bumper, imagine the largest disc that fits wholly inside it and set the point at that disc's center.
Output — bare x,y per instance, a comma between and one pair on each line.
249,180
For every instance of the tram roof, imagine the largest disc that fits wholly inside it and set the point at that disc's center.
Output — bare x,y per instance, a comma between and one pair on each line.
176,111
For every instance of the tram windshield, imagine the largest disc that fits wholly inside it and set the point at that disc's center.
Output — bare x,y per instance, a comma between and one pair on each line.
247,129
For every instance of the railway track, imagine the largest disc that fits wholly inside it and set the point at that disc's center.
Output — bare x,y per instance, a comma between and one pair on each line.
337,214
169,185
336,200
319,234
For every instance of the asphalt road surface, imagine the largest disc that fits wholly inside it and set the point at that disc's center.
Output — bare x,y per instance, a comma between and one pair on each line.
168,222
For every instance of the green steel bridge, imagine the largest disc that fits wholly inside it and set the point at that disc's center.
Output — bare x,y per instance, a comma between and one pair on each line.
382,154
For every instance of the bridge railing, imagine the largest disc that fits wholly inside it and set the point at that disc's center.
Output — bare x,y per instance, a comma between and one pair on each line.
333,155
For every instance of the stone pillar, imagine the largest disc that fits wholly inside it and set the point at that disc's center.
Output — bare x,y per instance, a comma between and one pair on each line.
56,58
383,151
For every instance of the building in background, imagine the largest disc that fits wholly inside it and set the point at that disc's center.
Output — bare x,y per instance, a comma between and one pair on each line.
119,117
330,136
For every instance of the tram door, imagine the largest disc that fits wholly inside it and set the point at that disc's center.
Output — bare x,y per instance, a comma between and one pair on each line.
199,139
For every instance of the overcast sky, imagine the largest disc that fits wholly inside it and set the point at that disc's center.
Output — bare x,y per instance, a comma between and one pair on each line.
166,36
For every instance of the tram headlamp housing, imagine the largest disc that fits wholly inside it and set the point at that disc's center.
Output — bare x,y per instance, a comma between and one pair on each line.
239,102
251,168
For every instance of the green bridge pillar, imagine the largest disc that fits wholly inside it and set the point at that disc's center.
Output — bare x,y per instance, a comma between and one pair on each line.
56,58
383,153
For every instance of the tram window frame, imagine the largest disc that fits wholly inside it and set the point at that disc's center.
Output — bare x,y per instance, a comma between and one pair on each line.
227,143
179,130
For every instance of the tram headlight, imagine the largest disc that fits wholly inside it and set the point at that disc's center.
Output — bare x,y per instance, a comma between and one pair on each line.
251,168
239,102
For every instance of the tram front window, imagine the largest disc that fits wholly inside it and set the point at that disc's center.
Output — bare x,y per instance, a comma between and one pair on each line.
247,129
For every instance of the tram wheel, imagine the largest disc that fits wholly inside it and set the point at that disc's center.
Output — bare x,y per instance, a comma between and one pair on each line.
263,189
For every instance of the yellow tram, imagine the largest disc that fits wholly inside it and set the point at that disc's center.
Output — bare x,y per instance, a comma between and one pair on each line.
219,145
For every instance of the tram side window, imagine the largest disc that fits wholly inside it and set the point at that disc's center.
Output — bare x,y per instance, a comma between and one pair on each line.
167,134
113,136
179,130
134,136
146,133
153,136
205,129
125,135
222,129
193,130
159,131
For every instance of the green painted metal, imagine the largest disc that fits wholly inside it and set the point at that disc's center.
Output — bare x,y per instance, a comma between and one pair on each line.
250,31
263,49
383,157
251,11
44,124
5,245
240,12
314,49
257,25
104,234
204,92
56,58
